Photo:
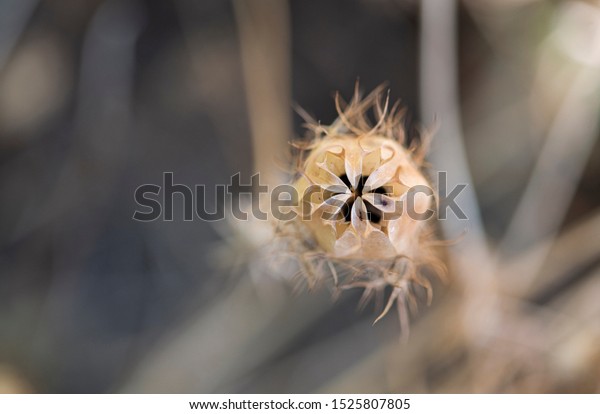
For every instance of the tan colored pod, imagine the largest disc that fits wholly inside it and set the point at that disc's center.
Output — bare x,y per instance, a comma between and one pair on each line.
363,206
355,193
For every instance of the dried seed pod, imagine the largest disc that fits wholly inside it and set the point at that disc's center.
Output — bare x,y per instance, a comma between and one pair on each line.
360,220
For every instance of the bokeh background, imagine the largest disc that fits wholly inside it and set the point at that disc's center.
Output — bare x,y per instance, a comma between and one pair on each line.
100,96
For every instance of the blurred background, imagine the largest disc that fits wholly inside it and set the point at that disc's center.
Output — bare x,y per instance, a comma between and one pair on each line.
98,97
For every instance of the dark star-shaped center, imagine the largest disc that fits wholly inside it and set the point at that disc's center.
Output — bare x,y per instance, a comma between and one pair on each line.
373,213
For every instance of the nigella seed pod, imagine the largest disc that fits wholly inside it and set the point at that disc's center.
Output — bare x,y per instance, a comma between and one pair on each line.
362,184
356,184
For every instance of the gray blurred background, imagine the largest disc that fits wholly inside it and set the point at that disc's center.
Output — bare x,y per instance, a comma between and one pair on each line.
98,97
